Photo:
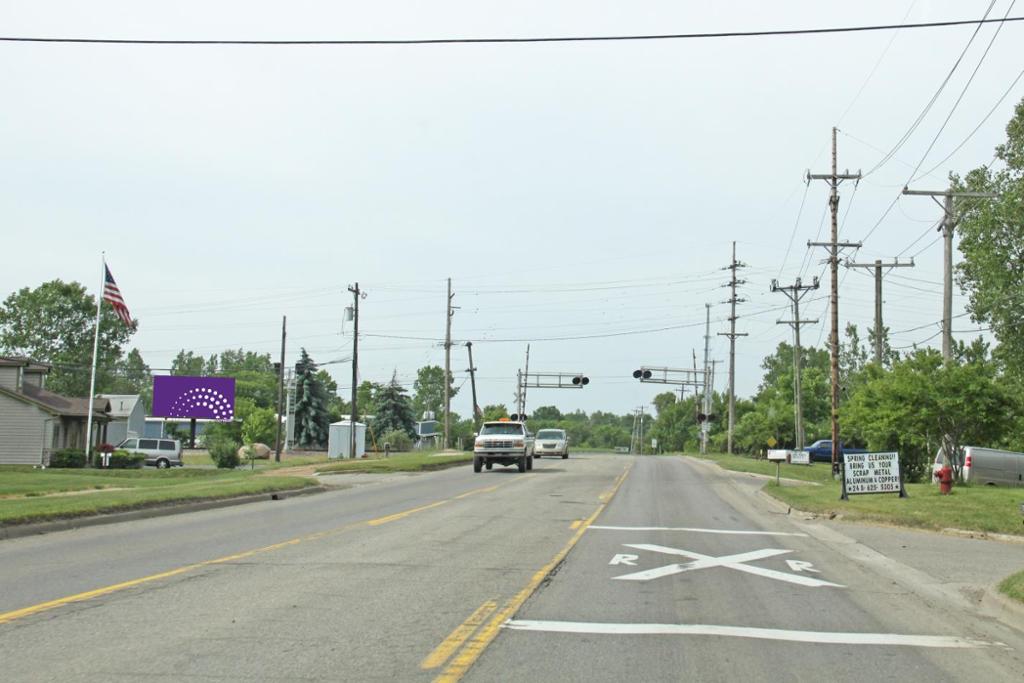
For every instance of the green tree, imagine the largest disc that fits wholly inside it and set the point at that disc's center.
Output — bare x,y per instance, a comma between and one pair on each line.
366,397
394,410
312,421
55,323
428,390
133,376
494,412
992,243
545,413
188,364
260,426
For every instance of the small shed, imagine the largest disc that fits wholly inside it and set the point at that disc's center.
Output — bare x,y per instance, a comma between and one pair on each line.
127,417
339,439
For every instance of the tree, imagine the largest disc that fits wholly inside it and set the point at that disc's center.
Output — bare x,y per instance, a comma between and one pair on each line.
546,413
260,426
428,390
494,412
663,401
54,323
133,376
188,364
992,242
312,421
394,410
366,397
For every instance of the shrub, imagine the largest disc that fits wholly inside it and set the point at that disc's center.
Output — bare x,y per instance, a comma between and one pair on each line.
123,460
224,452
398,440
105,448
68,457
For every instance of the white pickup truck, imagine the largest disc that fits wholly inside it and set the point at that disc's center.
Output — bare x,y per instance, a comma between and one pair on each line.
503,442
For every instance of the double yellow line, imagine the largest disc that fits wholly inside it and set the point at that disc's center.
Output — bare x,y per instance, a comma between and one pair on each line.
473,635
6,617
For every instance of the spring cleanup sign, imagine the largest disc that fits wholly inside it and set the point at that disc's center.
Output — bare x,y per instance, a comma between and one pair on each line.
872,473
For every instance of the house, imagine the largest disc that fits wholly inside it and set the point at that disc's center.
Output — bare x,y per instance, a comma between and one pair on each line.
127,417
34,422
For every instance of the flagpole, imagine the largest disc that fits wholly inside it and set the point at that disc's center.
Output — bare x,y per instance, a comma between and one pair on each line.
95,350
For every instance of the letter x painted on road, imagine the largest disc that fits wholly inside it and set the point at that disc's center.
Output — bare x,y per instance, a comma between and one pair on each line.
737,562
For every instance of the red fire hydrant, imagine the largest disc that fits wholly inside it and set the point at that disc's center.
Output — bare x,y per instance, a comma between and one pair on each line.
945,480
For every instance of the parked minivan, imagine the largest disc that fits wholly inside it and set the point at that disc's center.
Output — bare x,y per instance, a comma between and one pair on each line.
162,453
988,466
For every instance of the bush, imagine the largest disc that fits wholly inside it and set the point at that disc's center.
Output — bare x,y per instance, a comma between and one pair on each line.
121,460
68,457
398,439
224,452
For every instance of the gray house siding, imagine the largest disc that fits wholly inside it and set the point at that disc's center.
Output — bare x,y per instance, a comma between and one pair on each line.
25,431
9,377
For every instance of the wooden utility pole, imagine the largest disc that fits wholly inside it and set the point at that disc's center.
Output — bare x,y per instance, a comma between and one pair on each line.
280,391
732,334
834,179
472,384
795,292
354,413
706,405
448,313
949,222
877,266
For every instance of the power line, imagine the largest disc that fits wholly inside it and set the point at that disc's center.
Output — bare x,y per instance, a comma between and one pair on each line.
548,39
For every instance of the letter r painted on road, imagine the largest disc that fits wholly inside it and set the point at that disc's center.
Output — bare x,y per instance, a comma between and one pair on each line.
801,566
626,559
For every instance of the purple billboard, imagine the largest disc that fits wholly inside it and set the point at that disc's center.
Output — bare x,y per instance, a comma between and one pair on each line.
210,398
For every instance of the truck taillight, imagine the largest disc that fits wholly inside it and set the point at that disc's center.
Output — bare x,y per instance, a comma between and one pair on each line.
967,460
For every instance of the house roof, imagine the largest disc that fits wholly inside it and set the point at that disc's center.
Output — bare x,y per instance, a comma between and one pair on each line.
121,405
63,405
25,362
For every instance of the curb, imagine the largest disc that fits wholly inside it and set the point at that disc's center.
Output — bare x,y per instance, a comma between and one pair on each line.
1003,607
32,529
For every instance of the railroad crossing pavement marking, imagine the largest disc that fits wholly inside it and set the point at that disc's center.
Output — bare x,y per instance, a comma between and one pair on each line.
699,561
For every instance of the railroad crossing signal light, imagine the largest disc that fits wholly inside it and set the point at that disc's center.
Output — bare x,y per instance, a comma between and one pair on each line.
581,380
641,374
701,417
515,417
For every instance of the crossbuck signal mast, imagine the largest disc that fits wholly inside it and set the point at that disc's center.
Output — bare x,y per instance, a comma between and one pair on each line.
796,292
834,179
732,334
949,221
877,266
544,380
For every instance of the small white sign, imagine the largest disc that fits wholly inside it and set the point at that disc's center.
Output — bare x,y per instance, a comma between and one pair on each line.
872,472
778,455
654,443
800,458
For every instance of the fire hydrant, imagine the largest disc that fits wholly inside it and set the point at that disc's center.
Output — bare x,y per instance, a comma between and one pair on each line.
945,480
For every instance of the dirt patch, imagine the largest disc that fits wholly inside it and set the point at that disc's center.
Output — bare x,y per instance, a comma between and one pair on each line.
58,494
297,471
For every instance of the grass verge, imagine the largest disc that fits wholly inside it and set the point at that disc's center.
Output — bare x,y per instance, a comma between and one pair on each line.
1013,586
401,462
972,508
40,495
820,473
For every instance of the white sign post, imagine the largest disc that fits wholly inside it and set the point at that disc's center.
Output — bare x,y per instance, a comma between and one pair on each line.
872,473
778,457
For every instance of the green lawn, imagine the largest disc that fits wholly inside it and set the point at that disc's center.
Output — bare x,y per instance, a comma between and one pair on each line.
28,495
1013,586
202,458
399,462
820,472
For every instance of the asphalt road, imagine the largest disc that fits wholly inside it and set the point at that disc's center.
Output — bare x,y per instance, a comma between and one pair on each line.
594,568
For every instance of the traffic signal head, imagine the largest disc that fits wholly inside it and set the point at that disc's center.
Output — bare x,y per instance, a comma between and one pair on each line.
637,374
580,380
701,417
642,374
647,374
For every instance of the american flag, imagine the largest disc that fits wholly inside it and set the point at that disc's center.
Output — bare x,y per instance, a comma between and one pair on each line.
112,294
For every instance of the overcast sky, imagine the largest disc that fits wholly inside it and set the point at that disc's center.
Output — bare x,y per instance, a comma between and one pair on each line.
568,189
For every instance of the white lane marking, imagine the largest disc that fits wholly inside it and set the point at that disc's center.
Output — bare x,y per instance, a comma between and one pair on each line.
736,562
824,637
698,531
801,566
625,558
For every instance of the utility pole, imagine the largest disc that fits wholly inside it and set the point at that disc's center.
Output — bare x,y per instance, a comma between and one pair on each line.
472,382
448,313
354,413
795,292
522,384
834,179
878,265
949,222
705,425
732,334
280,390
641,433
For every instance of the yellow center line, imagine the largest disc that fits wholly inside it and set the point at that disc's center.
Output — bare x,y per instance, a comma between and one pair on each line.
6,617
457,637
475,647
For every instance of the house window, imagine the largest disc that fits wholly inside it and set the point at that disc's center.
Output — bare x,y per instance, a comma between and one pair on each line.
56,437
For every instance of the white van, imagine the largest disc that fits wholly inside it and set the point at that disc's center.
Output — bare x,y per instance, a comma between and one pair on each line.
988,466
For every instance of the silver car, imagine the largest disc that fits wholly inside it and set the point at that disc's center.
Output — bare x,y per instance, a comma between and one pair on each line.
551,442
162,453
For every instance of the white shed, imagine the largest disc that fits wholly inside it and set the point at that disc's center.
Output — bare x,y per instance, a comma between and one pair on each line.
339,439
128,417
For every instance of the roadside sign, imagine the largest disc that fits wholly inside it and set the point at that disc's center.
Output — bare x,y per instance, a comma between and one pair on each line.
799,458
778,455
872,473
771,442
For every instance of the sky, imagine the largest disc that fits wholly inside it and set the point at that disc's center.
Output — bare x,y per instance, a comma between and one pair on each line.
583,197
